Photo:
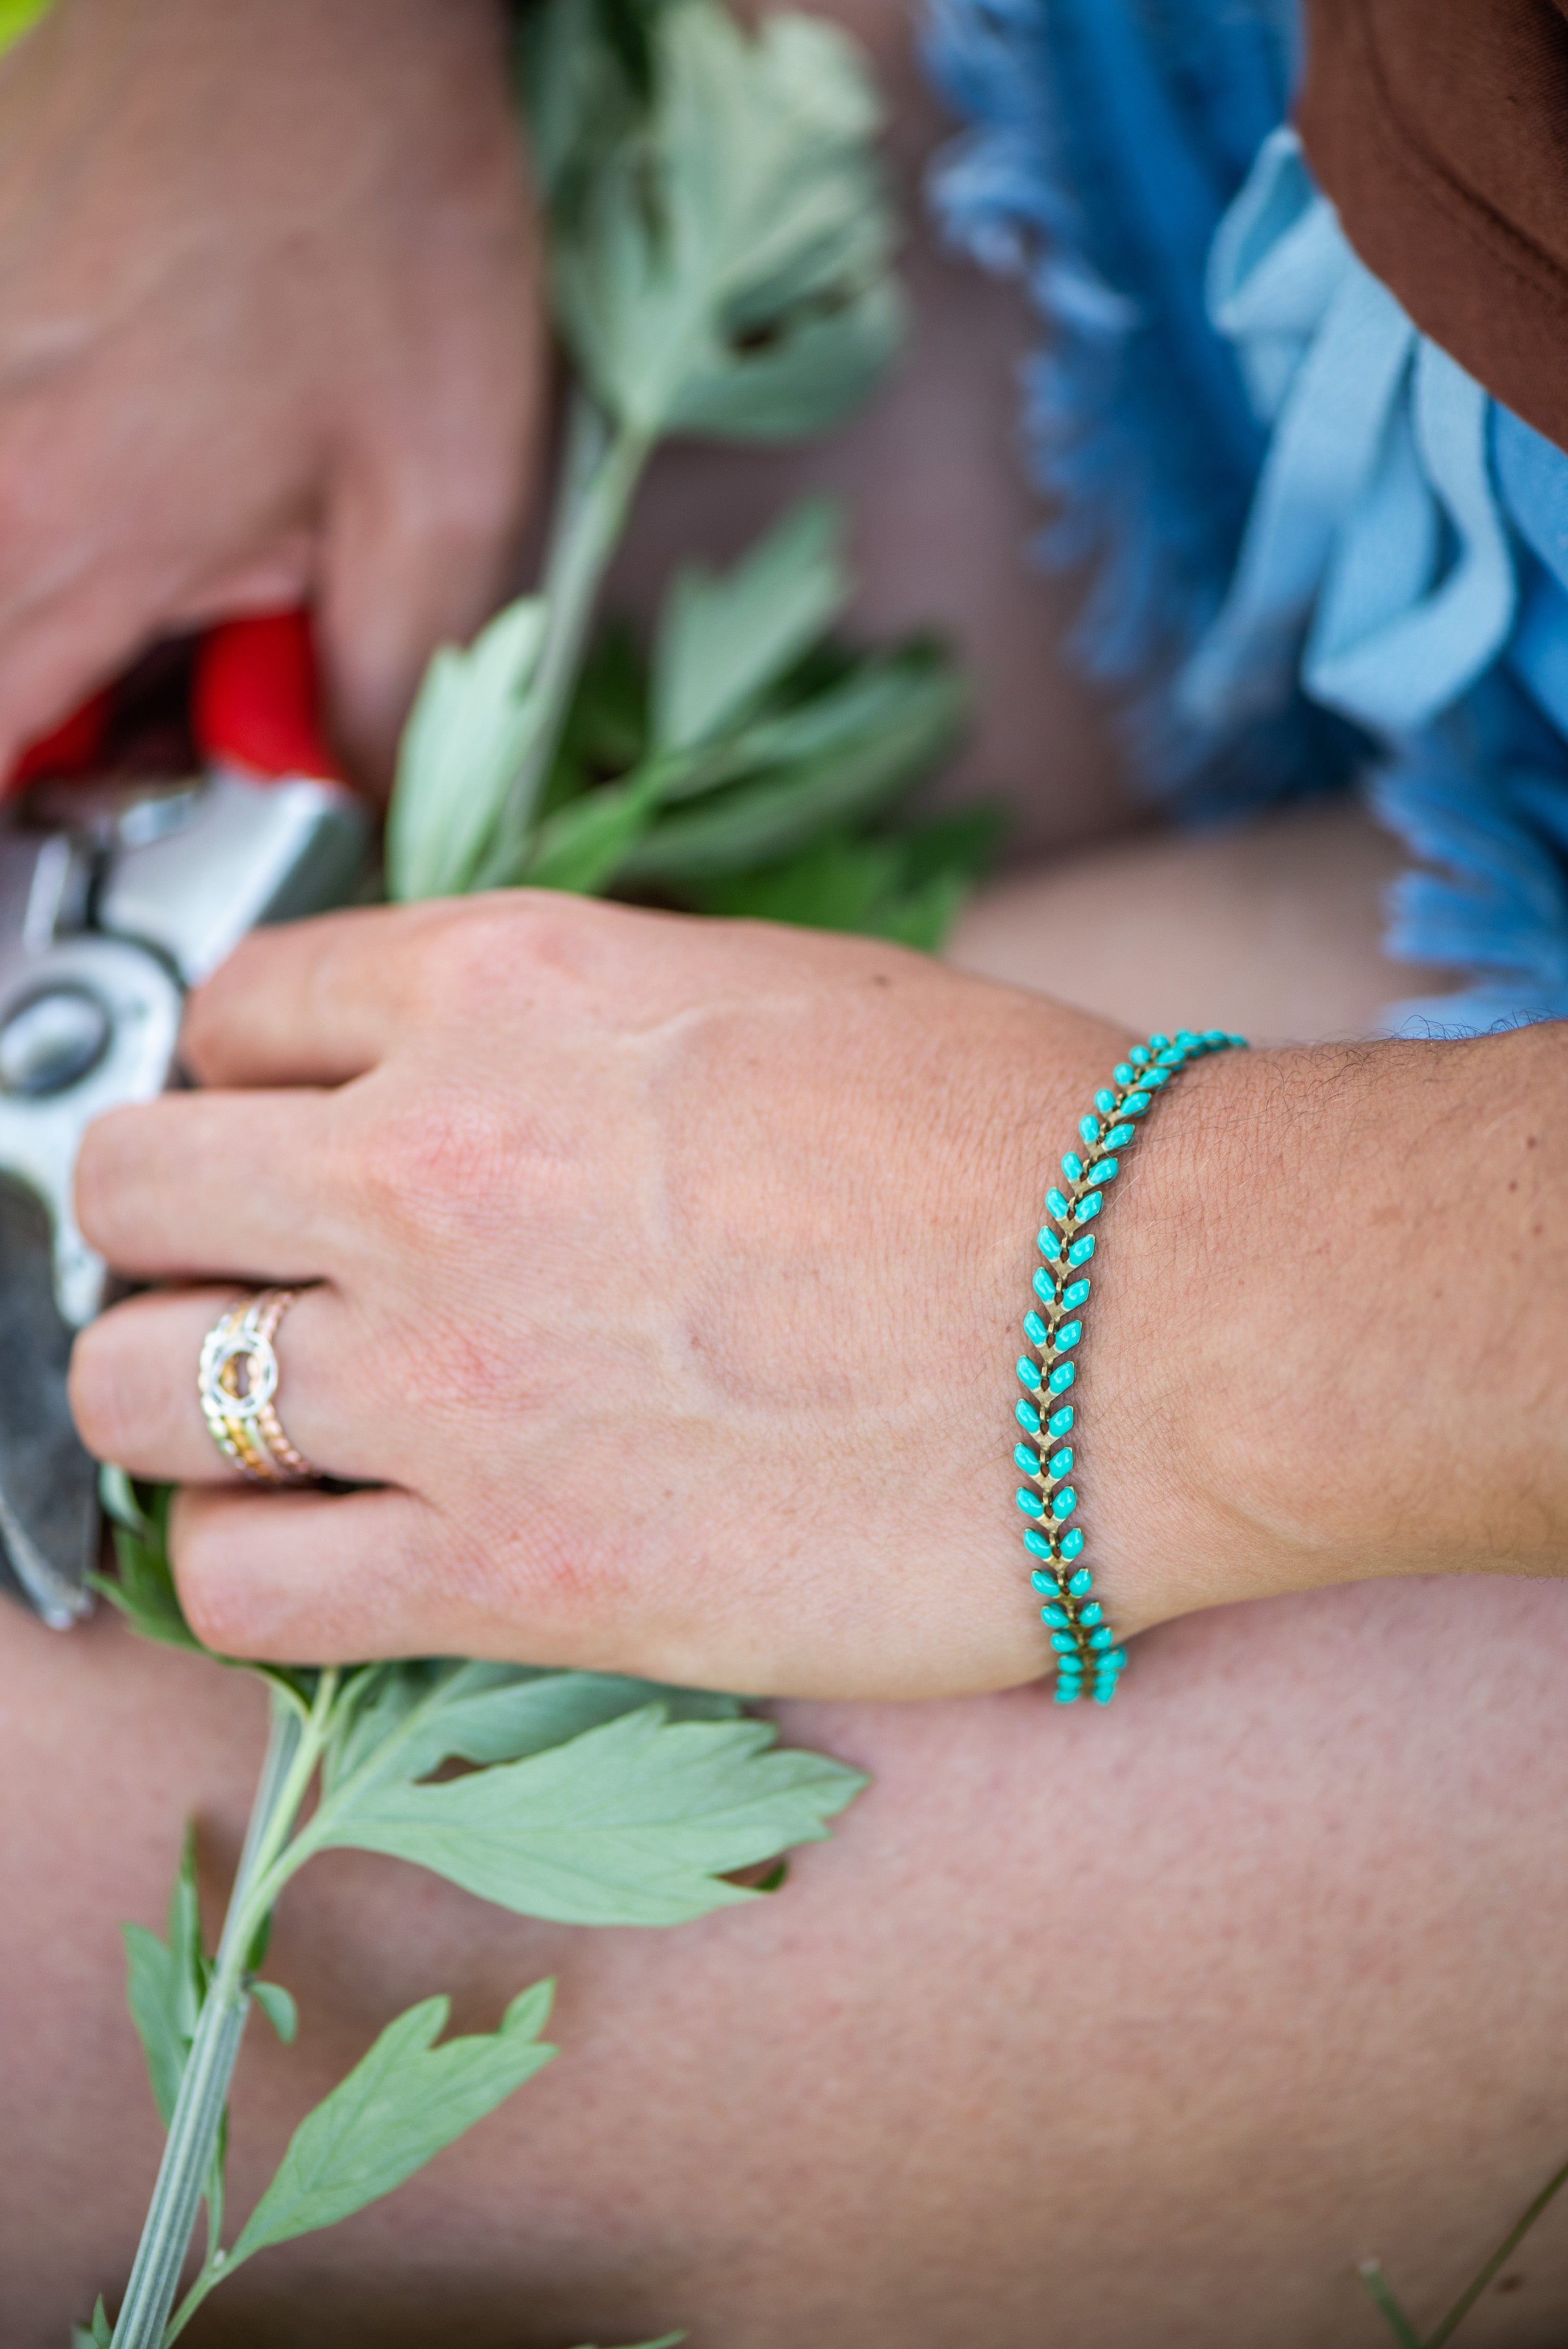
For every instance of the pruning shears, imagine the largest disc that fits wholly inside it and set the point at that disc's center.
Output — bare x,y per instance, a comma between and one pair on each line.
120,887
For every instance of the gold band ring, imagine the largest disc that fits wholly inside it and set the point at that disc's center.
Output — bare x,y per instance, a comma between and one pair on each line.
236,1379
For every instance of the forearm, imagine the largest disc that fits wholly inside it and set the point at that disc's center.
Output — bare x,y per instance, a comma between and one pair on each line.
1337,1349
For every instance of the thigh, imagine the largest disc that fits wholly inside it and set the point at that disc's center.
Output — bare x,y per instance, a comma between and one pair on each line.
1098,2028
1275,928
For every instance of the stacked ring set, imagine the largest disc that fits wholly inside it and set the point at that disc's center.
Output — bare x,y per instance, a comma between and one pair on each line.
236,1381
1081,1639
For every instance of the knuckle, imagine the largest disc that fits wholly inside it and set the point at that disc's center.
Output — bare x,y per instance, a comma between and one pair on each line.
436,1166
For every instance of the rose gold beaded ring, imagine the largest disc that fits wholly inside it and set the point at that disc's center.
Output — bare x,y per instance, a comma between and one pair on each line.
236,1379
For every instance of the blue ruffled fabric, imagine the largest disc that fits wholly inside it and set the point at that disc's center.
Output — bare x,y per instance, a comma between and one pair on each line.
1319,545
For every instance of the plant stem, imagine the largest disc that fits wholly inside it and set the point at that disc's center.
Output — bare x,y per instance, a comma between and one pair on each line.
599,479
293,1748
1381,2294
1504,2251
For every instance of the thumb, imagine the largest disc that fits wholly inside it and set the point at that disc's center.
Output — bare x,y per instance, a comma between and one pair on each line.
406,565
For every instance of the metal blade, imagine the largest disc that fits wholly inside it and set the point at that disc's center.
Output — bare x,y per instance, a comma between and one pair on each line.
49,1482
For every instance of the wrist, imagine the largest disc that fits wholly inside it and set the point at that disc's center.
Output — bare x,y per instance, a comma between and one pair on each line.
1331,1346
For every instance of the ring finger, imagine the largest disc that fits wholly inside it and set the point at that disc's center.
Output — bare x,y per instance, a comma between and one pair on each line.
134,1391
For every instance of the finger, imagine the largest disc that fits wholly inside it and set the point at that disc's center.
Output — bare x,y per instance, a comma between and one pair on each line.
420,549
309,1003
133,1388
315,1578
215,1185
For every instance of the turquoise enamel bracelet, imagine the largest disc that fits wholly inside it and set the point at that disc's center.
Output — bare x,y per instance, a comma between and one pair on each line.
1083,1641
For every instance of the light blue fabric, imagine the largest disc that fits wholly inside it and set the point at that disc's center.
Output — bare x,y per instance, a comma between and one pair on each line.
1321,543
1107,139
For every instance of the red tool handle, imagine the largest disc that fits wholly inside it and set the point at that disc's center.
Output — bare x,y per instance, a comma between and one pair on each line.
255,701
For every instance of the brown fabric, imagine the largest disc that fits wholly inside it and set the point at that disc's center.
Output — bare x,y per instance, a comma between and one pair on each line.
1439,129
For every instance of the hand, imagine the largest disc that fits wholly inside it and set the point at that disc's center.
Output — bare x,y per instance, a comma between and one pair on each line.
269,333
669,1280
669,1276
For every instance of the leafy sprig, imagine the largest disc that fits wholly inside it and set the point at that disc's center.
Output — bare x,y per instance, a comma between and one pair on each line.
589,1798
721,246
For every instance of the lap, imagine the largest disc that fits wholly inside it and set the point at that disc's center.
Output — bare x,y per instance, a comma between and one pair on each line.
1102,2028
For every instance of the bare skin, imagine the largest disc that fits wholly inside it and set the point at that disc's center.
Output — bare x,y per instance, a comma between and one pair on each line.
269,334
1105,2030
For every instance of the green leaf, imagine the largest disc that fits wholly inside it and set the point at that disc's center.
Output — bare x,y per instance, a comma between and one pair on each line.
462,749
908,886
633,1823
723,640
100,2333
279,2009
165,1986
665,2341
143,1589
398,2106
720,261
906,713
584,845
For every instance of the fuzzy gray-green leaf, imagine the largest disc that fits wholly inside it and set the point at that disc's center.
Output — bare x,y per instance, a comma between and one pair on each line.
726,271
465,741
723,639
397,2109
633,1822
165,1986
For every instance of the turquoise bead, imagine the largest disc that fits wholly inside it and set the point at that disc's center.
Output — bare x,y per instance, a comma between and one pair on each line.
1063,1503
1122,1072
1026,1415
1072,1166
1136,1104
1060,1420
1239,1043
1088,1130
1062,1377
1029,1501
1067,1336
1080,1583
1174,1058
1036,1330
1093,1613
1154,1078
1139,1056
1064,1643
1090,1205
1029,1372
1104,1696
1061,1463
1070,1668
1045,1584
1104,1170
1216,1039
1159,1044
1056,1614
1048,1244
1075,1294
1045,1286
1119,1136
1081,1250
1072,1544
1102,1638
1185,1037
1026,1458
1037,1543
1057,1206
1068,1695
1105,1100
